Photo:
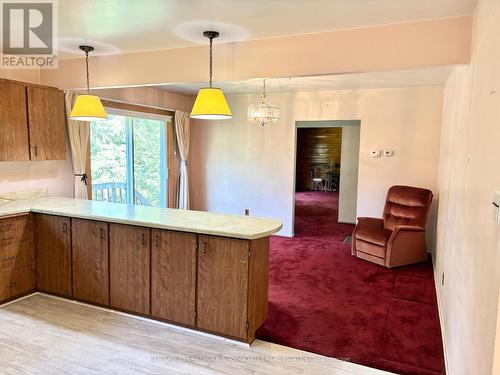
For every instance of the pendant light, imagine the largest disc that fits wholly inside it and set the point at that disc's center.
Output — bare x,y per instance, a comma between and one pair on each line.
88,107
263,113
210,103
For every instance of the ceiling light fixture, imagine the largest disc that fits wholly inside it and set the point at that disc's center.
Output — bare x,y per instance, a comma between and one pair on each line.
210,103
263,113
88,107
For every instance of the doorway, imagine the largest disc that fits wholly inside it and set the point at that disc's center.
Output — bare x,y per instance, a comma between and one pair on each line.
326,168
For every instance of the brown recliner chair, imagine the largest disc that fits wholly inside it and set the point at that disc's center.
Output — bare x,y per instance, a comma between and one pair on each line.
398,238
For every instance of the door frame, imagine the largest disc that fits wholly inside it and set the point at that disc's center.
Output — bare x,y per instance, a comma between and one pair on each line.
320,124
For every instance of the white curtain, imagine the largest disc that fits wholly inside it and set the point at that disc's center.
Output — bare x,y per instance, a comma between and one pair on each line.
182,134
79,133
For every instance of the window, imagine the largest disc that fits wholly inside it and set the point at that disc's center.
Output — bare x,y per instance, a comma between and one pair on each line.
129,159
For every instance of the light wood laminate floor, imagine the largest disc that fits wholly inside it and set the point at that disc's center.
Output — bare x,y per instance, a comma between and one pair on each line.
45,335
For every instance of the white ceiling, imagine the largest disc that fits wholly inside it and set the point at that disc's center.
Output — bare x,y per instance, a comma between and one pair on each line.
374,80
116,26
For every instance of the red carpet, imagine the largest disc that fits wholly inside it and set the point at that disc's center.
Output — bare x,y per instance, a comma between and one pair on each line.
323,300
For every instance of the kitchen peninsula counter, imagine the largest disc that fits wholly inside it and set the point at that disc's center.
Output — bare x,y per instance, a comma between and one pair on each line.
200,270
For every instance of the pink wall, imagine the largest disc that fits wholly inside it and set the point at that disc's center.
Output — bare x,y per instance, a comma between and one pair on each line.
148,96
389,47
468,237
237,165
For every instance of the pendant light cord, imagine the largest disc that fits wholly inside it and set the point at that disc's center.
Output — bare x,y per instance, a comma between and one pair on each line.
264,91
211,57
87,65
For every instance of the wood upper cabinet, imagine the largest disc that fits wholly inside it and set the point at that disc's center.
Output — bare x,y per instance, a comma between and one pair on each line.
53,254
223,285
173,276
32,122
14,143
89,240
129,272
46,121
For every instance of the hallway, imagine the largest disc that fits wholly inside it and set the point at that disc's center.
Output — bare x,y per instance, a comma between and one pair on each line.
323,300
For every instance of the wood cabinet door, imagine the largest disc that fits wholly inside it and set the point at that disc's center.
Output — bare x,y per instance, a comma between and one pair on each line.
53,254
46,119
89,240
129,267
173,276
223,285
14,144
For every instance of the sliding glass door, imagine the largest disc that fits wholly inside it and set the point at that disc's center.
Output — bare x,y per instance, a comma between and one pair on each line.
128,159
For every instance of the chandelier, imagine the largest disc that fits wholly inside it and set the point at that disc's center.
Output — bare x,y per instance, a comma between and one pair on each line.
263,113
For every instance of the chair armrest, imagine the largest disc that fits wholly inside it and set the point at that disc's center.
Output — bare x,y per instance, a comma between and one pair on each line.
365,222
411,228
370,222
406,245
403,231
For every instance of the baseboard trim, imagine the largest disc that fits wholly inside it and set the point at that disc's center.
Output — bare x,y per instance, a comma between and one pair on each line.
18,299
441,320
161,323
346,222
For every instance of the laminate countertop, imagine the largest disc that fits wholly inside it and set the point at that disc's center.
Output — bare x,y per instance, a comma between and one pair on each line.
235,226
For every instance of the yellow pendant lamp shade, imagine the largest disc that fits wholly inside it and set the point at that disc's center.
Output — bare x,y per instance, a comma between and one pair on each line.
210,104
88,108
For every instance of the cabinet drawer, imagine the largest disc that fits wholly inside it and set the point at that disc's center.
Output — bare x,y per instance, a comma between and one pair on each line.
16,282
16,229
16,255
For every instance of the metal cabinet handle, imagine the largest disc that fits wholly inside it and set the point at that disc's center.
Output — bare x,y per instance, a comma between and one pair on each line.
35,150
8,238
8,258
101,233
10,285
143,239
157,241
203,247
65,228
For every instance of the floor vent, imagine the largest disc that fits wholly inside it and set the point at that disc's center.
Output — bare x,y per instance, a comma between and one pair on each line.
348,239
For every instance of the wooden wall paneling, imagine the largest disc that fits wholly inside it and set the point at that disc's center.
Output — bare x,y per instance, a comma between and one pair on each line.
173,276
223,286
53,254
47,122
89,241
316,148
14,140
129,271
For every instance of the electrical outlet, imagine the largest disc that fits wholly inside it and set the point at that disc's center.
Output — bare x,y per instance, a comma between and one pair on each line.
442,279
247,212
